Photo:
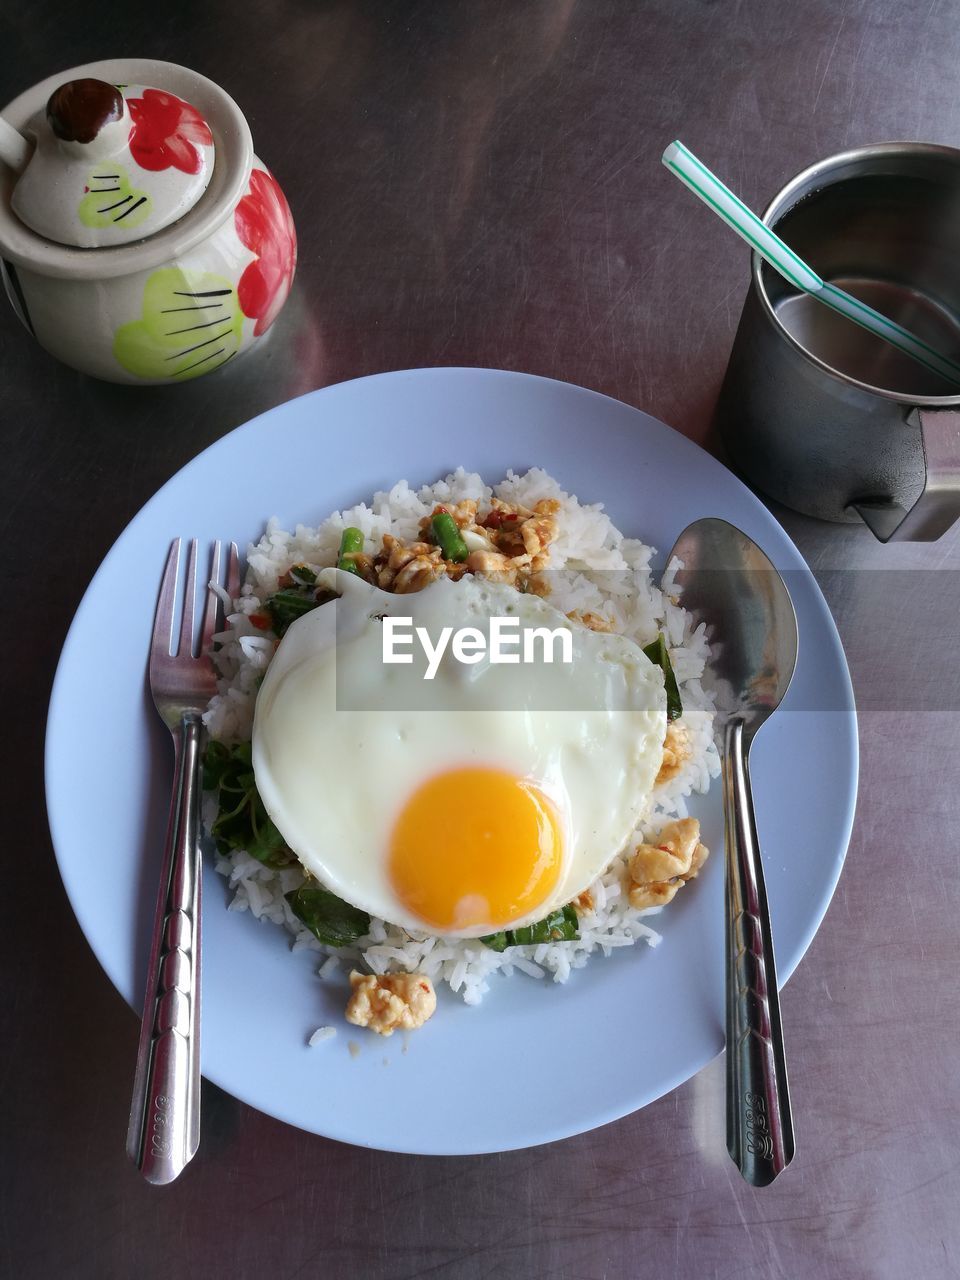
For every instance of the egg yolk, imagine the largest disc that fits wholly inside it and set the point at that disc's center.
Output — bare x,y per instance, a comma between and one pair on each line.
475,847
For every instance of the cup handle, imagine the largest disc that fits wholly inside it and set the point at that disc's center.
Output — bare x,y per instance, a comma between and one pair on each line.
939,504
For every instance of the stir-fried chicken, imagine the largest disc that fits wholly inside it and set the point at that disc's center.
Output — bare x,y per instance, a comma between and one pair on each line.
656,871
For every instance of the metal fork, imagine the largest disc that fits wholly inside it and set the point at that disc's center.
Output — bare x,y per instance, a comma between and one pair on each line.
164,1129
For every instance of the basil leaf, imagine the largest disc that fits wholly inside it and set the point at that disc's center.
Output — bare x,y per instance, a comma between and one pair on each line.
496,941
658,654
267,845
561,925
216,761
286,606
569,930
303,574
252,830
242,822
331,920
558,926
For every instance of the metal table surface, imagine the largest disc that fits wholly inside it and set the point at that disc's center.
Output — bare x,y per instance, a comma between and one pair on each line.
478,182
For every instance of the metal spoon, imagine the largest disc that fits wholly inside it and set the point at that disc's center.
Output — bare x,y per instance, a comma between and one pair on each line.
729,584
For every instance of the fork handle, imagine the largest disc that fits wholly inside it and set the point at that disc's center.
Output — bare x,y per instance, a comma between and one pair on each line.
164,1129
759,1120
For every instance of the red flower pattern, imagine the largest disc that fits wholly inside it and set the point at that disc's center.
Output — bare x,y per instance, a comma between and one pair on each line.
166,132
265,225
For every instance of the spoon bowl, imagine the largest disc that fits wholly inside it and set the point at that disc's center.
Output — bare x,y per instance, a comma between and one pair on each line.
729,585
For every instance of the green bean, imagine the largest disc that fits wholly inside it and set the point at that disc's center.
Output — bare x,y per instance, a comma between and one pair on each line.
351,542
448,537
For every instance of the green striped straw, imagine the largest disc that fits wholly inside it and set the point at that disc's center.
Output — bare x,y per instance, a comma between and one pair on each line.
694,174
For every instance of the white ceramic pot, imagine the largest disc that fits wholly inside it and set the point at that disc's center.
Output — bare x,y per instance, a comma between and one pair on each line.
183,301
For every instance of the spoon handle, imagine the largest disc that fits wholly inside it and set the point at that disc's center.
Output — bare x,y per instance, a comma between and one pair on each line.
15,150
759,1121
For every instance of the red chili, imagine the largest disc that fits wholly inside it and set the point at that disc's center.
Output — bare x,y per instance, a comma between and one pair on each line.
261,620
496,519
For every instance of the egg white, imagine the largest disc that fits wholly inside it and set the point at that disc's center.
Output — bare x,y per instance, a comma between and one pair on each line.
341,741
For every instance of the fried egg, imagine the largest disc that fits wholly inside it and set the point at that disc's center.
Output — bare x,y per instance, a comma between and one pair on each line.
477,800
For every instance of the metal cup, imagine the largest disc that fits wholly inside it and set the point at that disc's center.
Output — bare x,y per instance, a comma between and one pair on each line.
817,412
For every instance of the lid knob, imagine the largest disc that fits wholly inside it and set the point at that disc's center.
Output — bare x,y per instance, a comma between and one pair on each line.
78,110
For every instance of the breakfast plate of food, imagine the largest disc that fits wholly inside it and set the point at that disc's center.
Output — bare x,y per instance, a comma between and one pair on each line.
462,892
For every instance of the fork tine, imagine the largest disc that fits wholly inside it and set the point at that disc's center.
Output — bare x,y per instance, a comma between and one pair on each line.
185,647
214,609
166,600
233,572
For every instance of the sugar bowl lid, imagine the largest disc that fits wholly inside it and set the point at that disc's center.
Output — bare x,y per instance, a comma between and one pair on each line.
112,164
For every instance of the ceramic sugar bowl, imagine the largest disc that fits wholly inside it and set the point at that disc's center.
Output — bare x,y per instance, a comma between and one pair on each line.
141,239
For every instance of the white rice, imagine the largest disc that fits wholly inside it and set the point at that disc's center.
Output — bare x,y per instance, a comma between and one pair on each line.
604,573
321,1034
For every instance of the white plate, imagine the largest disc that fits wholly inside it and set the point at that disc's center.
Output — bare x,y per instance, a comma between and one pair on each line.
536,1061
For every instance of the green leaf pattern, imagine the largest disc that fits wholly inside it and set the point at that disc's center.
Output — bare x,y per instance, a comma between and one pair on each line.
191,324
111,200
